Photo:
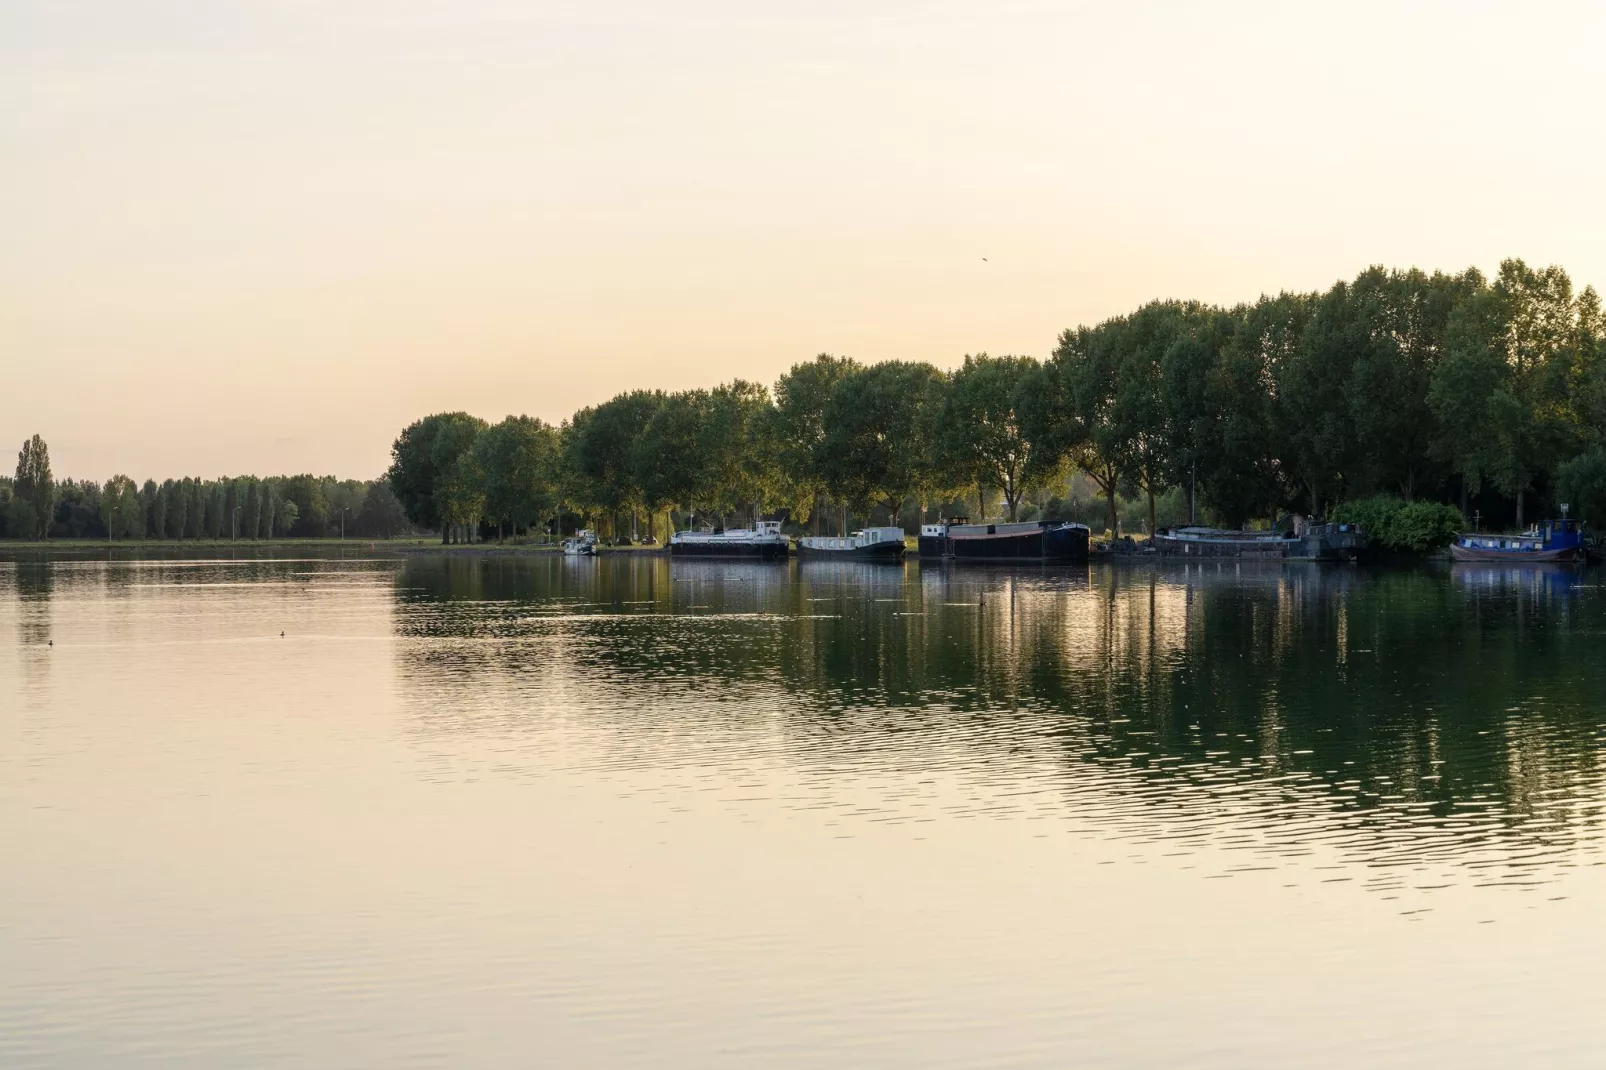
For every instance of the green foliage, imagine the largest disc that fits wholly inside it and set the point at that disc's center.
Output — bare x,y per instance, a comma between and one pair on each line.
518,462
35,489
880,429
1402,526
979,435
1581,482
797,427
424,470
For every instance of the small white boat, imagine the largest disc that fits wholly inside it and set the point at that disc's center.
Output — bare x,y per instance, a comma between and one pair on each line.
581,544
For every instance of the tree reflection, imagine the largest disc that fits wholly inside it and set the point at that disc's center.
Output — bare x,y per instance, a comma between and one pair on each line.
1430,708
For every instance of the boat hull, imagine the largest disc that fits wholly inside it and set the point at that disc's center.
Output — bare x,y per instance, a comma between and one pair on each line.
1267,549
731,551
1067,544
1469,555
890,552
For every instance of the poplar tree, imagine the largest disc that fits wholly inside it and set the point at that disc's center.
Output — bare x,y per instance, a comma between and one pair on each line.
35,486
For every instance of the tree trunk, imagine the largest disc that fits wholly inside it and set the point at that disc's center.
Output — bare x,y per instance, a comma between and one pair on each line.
1519,510
1150,489
1114,517
1193,491
1463,496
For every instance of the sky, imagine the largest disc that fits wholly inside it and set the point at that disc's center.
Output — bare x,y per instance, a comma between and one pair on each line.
264,235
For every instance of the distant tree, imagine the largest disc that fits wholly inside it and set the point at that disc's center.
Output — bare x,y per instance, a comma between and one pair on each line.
1072,411
1502,392
1233,453
381,514
980,431
797,428
121,510
286,516
422,456
600,451
35,486
737,462
880,425
666,460
1581,483
309,493
1319,444
518,464
176,507
149,493
196,496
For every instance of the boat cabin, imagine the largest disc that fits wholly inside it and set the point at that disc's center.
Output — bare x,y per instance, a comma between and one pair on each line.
1560,534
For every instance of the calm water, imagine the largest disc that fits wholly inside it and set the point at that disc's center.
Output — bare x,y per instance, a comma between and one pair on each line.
613,813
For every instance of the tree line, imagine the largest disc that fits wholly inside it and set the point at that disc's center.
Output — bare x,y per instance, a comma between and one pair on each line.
1486,393
34,505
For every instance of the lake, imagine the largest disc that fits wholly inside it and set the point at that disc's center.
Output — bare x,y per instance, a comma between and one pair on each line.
622,812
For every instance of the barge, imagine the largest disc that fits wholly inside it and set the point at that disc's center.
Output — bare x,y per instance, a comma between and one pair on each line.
871,544
1054,541
1317,542
761,542
1557,542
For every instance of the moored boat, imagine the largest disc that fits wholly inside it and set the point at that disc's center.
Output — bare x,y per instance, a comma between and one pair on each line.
761,542
1221,542
1554,542
871,544
1033,540
933,540
581,544
1329,542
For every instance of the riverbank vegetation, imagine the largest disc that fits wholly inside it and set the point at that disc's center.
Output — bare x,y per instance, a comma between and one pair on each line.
1391,390
1486,393
34,505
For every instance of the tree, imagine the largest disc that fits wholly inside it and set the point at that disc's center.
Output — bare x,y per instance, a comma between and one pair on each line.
285,516
1236,448
35,486
797,427
381,514
1312,370
517,460
737,463
1074,413
601,448
1502,392
311,498
120,508
980,433
1581,482
1403,325
422,457
666,460
879,427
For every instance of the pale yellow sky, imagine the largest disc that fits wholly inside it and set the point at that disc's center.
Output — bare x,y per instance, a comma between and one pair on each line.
262,235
